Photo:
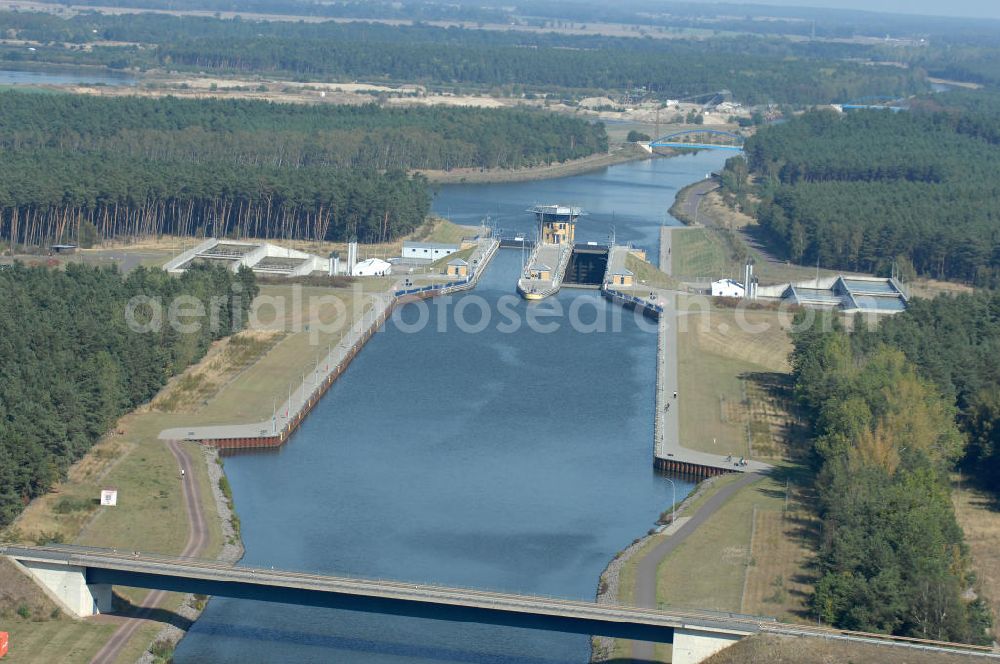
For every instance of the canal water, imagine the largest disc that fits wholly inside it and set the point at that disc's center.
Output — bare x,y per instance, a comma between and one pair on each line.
64,77
632,199
508,459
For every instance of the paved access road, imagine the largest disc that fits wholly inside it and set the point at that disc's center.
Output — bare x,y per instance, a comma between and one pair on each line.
692,200
196,543
646,570
666,250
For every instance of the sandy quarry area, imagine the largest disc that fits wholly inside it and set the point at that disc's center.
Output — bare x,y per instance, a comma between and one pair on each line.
159,84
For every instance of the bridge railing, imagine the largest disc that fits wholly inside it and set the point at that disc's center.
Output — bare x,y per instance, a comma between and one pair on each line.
678,138
483,594
741,622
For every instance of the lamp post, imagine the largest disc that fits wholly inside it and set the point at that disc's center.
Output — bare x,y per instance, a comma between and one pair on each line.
673,500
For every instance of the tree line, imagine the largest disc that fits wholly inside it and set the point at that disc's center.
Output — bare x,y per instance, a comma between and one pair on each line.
70,366
756,70
954,341
254,133
641,17
870,189
132,166
892,557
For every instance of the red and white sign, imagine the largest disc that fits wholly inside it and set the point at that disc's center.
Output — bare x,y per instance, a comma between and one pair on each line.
109,497
3,643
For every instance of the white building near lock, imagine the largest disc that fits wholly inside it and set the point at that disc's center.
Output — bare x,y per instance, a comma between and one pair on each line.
427,251
372,267
727,288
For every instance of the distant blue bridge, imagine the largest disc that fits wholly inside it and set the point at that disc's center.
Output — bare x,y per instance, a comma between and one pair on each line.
877,102
735,141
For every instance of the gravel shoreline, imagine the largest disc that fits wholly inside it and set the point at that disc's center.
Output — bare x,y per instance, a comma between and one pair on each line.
609,584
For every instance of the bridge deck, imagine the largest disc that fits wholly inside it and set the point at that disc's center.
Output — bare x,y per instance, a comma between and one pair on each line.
427,601
394,597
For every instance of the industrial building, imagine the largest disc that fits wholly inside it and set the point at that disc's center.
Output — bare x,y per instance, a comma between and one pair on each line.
853,294
420,252
262,257
847,294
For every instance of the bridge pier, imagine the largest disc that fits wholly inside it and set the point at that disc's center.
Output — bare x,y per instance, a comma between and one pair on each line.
692,647
67,585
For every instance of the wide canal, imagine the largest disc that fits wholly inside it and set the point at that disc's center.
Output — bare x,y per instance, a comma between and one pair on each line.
511,459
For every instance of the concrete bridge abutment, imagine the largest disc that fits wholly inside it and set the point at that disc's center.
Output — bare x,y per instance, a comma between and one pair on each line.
67,586
694,646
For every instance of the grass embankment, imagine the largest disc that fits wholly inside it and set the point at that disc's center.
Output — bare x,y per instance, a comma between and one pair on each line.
647,274
626,586
702,253
720,248
56,641
768,649
306,336
731,367
38,630
442,230
434,229
720,551
235,382
224,362
150,516
710,253
779,579
464,254
622,650
752,556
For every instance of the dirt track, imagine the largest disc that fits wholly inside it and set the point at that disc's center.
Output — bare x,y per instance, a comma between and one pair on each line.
196,542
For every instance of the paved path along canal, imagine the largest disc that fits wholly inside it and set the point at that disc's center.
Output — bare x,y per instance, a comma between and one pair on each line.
647,568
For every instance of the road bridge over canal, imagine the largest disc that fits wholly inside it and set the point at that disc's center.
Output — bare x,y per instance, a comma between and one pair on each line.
701,139
81,579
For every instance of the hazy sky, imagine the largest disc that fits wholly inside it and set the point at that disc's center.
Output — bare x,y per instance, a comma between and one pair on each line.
973,8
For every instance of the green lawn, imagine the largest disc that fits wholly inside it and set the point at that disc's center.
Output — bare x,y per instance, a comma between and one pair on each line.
779,273
626,579
701,252
448,232
707,570
63,641
464,254
717,349
711,389
647,274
